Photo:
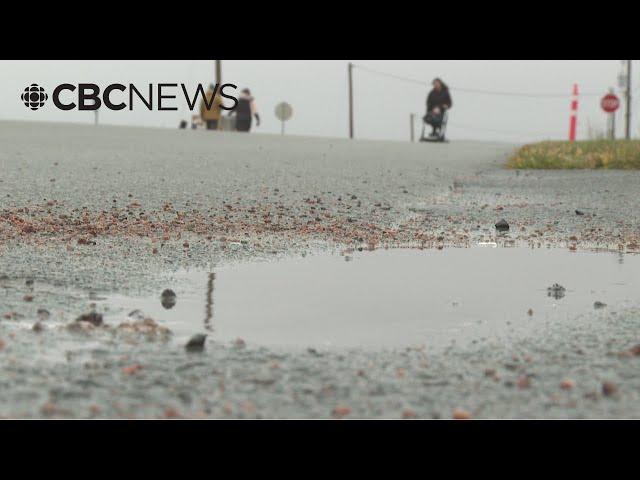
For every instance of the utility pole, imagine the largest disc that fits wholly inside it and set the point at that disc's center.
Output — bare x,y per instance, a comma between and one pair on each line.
612,121
218,72
350,100
628,113
411,115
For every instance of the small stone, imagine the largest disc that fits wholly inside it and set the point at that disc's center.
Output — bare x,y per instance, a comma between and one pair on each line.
579,212
248,407
136,314
599,305
132,369
530,312
502,226
523,382
409,413
48,408
172,413
556,291
460,414
196,343
239,343
43,314
37,327
609,389
168,298
340,411
93,318
28,298
567,384
635,350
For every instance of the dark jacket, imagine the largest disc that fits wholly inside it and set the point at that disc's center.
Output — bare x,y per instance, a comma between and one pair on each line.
243,109
438,99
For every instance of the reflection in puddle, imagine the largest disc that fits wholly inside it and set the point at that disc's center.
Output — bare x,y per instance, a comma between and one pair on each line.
209,306
390,298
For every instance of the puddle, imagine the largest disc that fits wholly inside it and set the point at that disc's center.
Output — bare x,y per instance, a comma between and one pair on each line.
392,298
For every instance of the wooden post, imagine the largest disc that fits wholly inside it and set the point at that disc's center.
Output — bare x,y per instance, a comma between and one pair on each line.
628,112
218,72
350,100
411,115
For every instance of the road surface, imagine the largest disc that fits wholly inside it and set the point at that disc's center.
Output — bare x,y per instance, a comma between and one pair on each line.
88,212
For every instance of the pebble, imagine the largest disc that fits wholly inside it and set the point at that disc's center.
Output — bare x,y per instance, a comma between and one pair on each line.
409,413
132,369
598,305
609,389
168,298
136,314
93,318
567,384
556,291
461,414
172,413
196,343
340,411
502,226
48,408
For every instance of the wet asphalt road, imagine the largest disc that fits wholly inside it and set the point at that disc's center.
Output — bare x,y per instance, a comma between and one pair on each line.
89,211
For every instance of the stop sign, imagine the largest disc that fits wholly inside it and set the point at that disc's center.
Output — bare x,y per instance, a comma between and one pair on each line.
610,103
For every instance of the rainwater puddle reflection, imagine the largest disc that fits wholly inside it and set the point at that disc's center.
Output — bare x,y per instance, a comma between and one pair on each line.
393,298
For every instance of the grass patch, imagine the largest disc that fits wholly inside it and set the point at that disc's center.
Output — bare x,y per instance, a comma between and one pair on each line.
591,154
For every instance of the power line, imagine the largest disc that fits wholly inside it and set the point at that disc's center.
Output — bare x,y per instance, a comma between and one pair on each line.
476,91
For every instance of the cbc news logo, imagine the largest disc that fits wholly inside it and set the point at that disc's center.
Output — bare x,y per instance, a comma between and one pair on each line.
159,96
34,96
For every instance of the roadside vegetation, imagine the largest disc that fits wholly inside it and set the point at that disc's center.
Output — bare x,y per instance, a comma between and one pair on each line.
588,154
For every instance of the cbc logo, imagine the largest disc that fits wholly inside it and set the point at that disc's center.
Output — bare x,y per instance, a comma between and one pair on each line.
34,96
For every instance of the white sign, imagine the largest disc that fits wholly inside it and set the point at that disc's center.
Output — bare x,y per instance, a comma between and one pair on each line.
284,111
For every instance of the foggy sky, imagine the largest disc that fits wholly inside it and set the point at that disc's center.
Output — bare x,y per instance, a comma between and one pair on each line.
317,90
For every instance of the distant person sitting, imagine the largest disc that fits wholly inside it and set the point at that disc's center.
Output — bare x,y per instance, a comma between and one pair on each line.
210,109
438,102
245,111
